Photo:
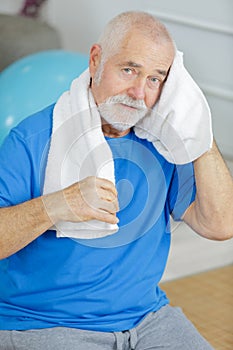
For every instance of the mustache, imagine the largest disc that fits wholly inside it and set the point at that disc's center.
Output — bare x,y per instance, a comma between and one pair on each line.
126,100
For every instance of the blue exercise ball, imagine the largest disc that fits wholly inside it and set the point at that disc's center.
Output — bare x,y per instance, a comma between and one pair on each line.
34,82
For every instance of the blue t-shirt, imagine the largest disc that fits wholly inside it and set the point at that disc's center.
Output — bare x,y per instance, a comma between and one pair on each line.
105,284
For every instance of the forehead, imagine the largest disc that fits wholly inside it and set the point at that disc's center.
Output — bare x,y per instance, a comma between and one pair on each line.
144,52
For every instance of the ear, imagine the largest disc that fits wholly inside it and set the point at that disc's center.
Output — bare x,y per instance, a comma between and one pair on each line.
95,58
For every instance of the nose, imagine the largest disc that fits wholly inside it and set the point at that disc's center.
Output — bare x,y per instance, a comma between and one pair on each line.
137,89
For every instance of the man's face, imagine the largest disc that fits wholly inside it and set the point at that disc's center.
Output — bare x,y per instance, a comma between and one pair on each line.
131,81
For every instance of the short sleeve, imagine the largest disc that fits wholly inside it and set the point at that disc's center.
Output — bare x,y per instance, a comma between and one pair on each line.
15,171
182,190
23,157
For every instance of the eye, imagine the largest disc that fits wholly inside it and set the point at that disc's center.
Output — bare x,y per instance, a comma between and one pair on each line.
154,82
127,71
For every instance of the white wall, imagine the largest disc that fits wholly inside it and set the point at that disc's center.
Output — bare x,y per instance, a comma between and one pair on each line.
10,6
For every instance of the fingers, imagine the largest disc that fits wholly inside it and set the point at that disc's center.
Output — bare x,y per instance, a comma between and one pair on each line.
102,194
91,199
105,204
107,201
105,185
105,217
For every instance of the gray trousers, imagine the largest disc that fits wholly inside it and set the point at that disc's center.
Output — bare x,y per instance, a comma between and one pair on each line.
167,329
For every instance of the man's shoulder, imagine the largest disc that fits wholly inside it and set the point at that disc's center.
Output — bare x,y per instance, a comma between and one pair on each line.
36,125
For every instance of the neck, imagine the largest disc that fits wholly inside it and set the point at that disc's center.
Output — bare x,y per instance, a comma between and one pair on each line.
110,131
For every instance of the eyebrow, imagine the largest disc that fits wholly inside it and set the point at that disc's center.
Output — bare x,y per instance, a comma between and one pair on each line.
137,65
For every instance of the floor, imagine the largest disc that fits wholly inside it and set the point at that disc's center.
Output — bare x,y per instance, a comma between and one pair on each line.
207,300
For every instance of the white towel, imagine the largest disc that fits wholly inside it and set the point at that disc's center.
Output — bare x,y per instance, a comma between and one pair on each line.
78,149
179,127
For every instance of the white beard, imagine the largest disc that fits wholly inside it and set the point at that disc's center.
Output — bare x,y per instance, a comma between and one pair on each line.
116,111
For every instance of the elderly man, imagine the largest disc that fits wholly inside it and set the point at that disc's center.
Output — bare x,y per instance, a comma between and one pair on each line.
87,187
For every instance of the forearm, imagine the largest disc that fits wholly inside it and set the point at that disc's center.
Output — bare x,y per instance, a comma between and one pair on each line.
211,214
21,224
89,199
